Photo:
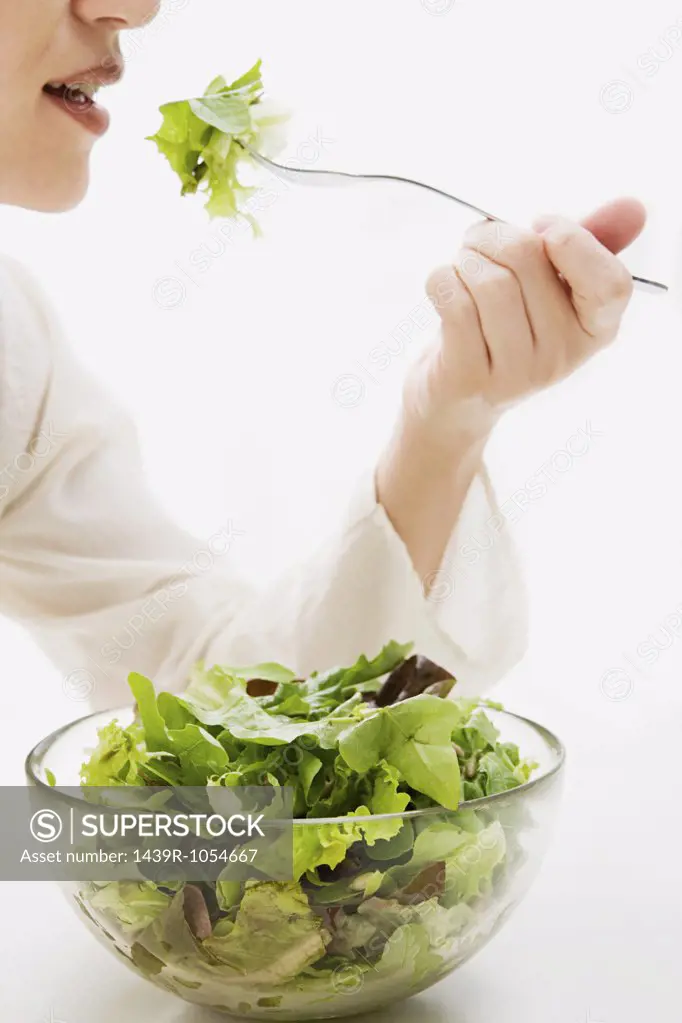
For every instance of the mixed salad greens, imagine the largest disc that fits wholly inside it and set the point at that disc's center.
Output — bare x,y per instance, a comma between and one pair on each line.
375,900
205,141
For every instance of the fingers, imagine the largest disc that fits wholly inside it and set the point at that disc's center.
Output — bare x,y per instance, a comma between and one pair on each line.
548,308
464,351
502,314
617,224
600,285
487,338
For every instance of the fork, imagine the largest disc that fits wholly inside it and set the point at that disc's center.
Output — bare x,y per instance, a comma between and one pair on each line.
312,176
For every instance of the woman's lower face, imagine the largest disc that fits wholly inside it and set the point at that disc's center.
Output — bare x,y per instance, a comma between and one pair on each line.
44,144
45,153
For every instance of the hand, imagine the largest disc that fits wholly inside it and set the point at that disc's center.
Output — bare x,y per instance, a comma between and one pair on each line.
520,309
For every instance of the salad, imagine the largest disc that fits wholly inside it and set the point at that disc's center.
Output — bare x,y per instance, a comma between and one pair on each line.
205,141
381,899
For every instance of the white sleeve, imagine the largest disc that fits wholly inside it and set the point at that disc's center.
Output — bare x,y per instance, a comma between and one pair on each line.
106,583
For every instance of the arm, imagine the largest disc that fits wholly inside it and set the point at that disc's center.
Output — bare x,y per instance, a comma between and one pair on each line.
107,583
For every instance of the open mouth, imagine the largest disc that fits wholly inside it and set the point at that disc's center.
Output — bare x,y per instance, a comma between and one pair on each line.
77,97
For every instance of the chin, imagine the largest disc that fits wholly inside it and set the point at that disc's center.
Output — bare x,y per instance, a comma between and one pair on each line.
59,196
61,188
58,203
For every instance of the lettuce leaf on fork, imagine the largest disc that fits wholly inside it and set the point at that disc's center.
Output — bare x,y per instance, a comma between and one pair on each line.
202,140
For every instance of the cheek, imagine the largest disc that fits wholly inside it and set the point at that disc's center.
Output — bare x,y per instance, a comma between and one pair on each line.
50,166
31,31
45,172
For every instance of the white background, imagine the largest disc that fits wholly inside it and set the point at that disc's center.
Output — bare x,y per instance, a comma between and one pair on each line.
521,108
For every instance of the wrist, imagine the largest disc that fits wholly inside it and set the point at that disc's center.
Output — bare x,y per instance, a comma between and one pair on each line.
454,434
422,482
446,425
419,454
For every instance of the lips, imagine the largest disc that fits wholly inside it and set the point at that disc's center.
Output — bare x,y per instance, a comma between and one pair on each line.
79,105
76,93
108,71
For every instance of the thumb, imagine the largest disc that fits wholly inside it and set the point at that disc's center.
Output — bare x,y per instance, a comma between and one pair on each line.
615,225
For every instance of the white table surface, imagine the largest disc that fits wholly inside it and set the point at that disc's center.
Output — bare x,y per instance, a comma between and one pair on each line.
596,941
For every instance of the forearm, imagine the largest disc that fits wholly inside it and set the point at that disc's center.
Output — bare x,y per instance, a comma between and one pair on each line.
423,486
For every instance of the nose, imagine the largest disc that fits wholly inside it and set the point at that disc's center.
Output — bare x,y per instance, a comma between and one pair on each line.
120,14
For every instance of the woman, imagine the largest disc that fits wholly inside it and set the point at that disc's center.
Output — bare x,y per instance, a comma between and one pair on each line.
87,556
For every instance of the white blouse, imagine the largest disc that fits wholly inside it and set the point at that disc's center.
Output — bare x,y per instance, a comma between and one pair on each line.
107,583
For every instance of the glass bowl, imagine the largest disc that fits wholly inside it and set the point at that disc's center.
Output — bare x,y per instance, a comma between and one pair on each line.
393,919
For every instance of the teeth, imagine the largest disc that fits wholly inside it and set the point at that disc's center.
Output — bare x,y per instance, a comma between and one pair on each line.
88,89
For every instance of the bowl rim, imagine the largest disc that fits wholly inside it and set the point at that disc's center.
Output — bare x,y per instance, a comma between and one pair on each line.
549,738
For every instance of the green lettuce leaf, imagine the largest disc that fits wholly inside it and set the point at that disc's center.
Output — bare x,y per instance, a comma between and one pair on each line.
408,953
131,905
275,934
200,755
414,737
118,757
228,893
386,799
441,924
354,889
469,870
323,845
488,766
155,731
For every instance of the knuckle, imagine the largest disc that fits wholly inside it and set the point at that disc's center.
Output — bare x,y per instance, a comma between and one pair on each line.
470,264
445,291
505,243
561,236
435,279
479,229
522,247
481,235
620,285
439,283
611,295
493,283
499,284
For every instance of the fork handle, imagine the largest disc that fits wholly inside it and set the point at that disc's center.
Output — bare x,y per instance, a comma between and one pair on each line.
312,175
